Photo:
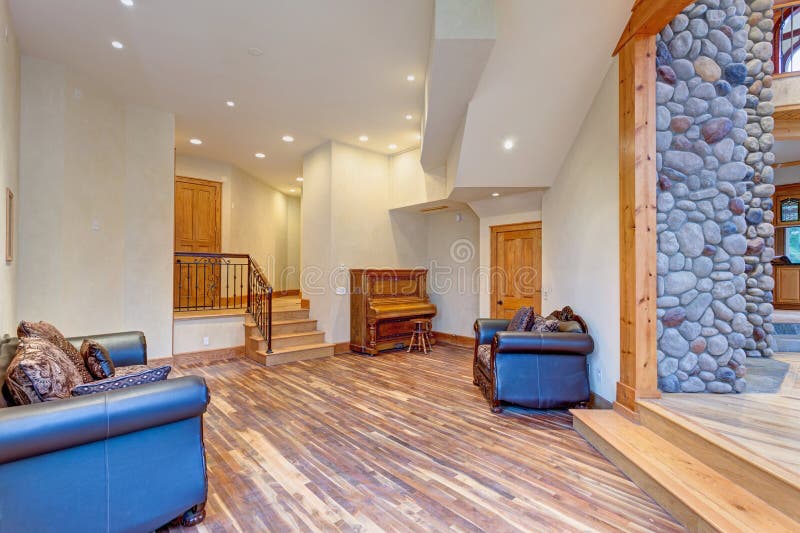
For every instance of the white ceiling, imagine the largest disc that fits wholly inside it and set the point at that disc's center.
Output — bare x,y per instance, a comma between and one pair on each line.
331,69
544,71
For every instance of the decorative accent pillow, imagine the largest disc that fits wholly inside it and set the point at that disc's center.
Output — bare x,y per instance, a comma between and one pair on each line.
522,319
544,325
45,330
570,326
484,354
96,358
127,376
41,368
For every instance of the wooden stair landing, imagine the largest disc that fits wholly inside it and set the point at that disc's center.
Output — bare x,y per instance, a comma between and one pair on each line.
706,479
295,336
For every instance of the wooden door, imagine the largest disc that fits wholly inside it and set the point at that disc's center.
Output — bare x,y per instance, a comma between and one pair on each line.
197,229
516,268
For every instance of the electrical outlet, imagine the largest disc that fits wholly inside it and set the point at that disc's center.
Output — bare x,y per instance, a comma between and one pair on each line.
341,290
205,341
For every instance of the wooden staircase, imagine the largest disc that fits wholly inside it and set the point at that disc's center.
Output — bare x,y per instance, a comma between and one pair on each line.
294,335
706,481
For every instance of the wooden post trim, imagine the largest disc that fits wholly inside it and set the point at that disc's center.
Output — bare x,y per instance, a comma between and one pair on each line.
637,230
648,17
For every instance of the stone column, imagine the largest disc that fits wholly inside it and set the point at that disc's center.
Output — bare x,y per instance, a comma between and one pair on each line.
710,185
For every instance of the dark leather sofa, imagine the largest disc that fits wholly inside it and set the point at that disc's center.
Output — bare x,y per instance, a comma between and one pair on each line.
531,369
129,460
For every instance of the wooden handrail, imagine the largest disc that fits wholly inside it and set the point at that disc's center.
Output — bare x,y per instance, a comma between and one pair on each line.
210,254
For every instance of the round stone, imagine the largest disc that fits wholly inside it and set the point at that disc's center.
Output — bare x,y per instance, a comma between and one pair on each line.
672,343
702,266
762,51
717,345
684,162
735,73
693,384
707,69
716,129
681,44
674,317
707,363
711,232
734,244
669,383
680,123
668,243
679,282
718,387
691,240
735,171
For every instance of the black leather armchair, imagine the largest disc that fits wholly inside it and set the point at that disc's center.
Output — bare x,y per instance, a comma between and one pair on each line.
126,460
536,370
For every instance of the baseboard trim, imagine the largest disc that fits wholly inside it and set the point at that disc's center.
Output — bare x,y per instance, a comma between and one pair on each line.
208,355
598,402
341,347
456,340
289,292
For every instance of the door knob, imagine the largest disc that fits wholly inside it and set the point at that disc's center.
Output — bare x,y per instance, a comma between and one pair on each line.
499,302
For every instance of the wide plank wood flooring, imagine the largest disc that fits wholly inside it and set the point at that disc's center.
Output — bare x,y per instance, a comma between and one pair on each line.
398,442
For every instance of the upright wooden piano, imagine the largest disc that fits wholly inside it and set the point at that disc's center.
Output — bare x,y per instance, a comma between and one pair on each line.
383,302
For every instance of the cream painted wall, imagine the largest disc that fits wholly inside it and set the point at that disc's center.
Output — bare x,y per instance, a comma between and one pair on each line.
96,209
410,184
347,223
256,218
9,160
786,91
580,230
453,266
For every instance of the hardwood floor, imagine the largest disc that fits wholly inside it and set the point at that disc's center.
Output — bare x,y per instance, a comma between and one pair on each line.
398,442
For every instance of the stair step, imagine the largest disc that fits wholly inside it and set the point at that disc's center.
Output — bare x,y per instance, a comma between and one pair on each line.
293,314
293,353
697,495
788,343
289,339
282,327
766,479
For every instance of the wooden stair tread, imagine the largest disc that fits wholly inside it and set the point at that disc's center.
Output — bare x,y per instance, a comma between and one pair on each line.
687,487
722,441
298,348
251,324
288,335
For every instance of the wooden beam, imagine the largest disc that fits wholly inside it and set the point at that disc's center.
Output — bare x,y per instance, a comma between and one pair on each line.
787,164
787,130
648,17
637,230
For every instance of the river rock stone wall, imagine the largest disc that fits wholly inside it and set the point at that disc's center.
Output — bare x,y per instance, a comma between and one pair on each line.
714,123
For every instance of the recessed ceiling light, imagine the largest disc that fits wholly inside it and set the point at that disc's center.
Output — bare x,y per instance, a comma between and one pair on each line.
118,45
292,190
261,155
255,51
363,138
299,178
128,3
419,136
288,139
409,117
230,103
508,144
195,141
411,77
495,194
392,146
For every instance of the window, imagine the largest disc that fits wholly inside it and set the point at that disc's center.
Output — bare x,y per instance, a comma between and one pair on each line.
792,244
786,43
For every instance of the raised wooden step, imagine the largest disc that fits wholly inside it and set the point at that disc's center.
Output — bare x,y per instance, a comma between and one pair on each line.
283,327
701,498
293,353
279,315
288,339
762,476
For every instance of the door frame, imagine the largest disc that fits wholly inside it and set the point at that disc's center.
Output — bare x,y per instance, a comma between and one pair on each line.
218,208
494,230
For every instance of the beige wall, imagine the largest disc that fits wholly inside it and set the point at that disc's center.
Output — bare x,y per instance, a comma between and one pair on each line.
347,223
580,222
9,160
453,263
256,218
95,209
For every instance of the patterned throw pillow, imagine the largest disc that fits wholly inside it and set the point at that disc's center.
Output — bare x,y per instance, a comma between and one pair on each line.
522,319
45,330
484,354
40,372
97,360
127,376
544,325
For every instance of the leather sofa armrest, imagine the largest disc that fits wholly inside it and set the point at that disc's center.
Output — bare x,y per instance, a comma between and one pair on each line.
29,430
544,343
126,348
485,328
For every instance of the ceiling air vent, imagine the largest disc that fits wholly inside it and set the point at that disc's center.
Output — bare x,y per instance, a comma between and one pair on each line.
436,208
